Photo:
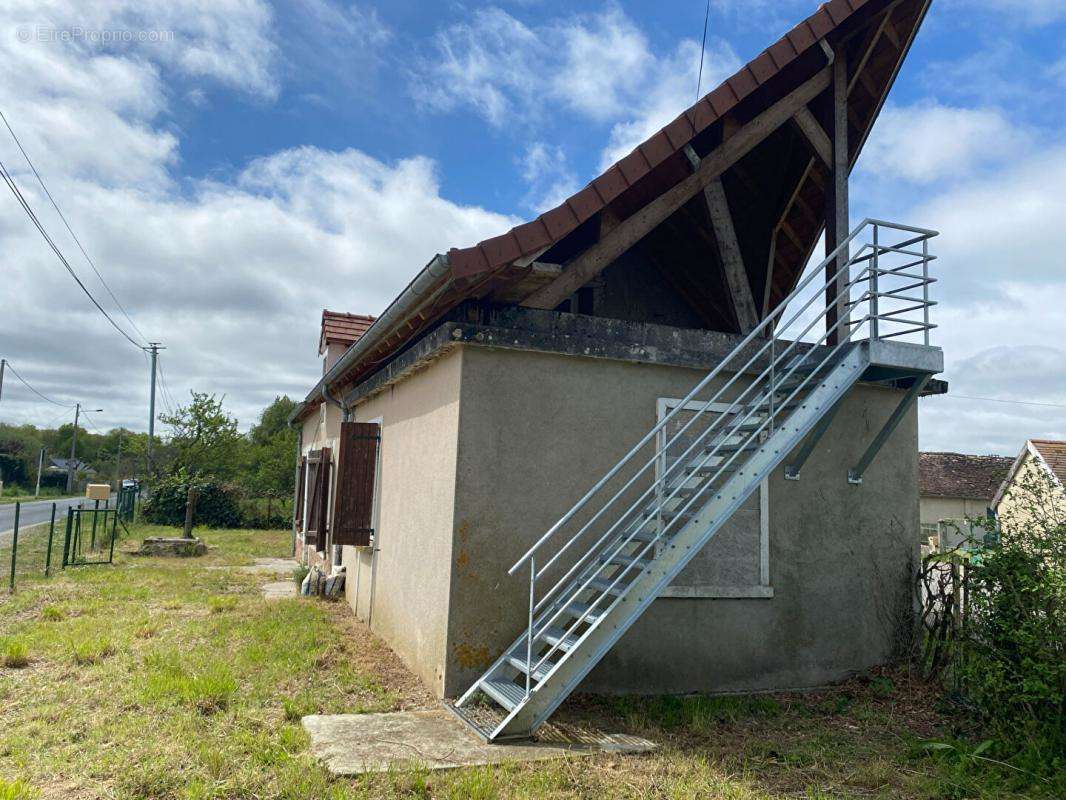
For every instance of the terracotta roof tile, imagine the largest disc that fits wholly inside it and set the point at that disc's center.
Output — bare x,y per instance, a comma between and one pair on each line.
958,475
1054,454
342,328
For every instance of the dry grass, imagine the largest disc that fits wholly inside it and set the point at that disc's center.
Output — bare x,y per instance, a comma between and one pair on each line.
163,679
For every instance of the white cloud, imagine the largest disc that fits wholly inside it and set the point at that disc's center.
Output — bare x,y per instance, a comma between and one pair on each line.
546,172
927,141
671,88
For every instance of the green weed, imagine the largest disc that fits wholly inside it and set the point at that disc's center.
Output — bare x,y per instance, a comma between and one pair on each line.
16,654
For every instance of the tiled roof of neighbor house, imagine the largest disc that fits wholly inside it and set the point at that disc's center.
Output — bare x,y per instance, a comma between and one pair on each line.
959,475
1054,454
551,226
342,328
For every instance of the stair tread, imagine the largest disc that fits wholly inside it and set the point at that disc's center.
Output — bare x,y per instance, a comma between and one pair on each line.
559,636
539,673
582,610
505,692
604,584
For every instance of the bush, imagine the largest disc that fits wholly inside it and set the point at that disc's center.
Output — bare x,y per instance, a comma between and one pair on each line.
217,507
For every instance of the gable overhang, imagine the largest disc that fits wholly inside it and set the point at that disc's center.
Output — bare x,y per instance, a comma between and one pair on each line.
757,133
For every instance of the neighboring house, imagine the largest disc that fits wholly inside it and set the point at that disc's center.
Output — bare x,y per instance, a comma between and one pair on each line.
61,465
953,487
621,374
1033,489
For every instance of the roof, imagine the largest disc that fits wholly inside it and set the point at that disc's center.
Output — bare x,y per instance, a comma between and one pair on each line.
342,328
959,475
1054,455
875,36
63,463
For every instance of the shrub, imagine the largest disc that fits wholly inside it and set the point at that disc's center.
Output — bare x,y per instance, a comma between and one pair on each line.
217,507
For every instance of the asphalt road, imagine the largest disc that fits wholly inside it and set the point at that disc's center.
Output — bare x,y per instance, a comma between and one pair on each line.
34,513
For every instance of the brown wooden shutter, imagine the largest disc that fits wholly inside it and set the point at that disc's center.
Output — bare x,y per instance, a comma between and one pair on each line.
353,505
322,501
301,478
314,462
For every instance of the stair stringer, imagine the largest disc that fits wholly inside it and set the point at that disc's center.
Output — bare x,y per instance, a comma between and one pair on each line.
620,615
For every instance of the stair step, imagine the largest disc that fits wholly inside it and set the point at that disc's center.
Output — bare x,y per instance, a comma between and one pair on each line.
539,673
584,611
643,536
505,692
559,636
729,449
603,585
623,560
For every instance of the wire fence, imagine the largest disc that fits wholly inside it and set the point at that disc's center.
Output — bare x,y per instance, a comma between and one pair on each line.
69,536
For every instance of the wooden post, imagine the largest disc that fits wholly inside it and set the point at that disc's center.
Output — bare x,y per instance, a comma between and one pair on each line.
190,510
837,225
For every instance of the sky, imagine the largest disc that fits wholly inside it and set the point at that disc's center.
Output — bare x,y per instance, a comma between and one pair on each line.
232,167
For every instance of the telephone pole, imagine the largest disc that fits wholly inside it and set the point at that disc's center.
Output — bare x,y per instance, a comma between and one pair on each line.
74,445
153,348
3,366
40,466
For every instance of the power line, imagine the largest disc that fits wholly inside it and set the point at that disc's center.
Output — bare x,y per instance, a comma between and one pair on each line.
37,223
165,393
73,235
1001,400
43,397
703,49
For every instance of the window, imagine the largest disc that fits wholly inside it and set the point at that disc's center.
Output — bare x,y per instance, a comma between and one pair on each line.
736,561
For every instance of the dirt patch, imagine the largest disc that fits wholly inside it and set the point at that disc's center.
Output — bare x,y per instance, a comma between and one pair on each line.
371,656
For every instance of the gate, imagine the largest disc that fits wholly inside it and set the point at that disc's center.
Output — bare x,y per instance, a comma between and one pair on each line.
90,536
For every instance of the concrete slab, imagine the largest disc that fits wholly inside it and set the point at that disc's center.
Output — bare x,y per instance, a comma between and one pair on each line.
279,590
353,744
266,566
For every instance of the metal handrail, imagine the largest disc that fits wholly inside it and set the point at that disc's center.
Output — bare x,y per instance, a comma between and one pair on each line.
762,327
727,427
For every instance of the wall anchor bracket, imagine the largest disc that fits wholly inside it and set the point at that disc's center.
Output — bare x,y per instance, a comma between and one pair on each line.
855,473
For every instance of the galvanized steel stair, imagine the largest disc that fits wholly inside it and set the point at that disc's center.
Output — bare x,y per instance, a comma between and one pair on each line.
653,521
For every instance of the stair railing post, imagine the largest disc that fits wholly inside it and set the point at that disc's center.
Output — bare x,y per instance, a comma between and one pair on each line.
873,290
773,379
529,630
925,286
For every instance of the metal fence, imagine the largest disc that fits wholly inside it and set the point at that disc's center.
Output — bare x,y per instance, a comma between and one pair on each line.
69,536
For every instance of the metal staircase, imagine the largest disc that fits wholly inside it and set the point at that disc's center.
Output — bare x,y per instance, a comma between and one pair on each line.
595,571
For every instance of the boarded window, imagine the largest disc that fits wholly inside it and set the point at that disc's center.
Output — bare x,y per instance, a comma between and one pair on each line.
301,479
318,464
353,506
735,562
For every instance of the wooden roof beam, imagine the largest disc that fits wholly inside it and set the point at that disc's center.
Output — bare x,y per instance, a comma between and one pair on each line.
634,228
815,135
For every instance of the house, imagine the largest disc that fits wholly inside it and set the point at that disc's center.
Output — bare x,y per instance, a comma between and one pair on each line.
1033,488
62,465
634,445
953,487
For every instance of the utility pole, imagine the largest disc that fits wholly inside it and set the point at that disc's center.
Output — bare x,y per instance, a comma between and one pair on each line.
3,366
73,446
118,462
40,466
153,348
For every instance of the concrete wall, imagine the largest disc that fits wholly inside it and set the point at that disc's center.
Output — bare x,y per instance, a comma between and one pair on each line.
536,429
402,589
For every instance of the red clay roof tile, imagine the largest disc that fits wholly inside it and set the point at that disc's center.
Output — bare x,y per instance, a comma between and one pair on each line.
958,475
1054,454
342,328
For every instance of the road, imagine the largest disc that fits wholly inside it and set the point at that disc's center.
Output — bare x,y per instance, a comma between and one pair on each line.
34,513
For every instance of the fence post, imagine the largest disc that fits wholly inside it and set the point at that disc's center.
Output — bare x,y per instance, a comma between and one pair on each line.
96,513
66,535
15,543
114,533
48,553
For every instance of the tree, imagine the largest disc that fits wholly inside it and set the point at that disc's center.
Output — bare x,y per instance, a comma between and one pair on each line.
204,439
272,447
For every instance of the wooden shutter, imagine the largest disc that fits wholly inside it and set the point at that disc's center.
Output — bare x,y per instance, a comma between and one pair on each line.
353,504
301,478
322,500
314,504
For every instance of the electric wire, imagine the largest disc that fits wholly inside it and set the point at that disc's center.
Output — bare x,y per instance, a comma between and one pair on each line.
703,49
164,389
32,389
59,254
1001,400
70,230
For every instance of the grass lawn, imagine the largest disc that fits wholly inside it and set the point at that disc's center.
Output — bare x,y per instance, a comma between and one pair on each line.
159,678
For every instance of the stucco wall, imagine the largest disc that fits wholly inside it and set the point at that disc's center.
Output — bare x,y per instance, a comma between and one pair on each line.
536,429
321,428
934,509
1031,496
410,573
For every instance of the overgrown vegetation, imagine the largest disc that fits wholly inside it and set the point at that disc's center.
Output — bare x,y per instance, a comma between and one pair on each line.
1000,641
